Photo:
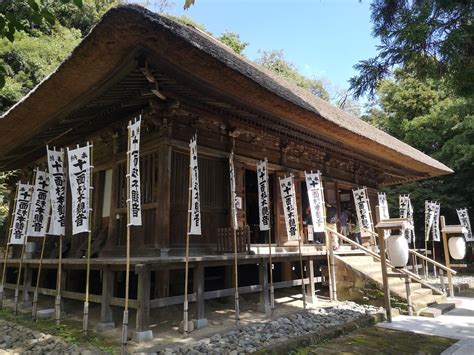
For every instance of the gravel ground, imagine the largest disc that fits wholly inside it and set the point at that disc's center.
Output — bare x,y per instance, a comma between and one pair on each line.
458,280
16,339
250,338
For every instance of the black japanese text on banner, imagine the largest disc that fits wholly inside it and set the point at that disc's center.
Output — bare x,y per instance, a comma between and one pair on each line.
314,186
406,211
430,211
464,220
233,194
57,190
288,199
383,210
436,229
20,215
263,195
79,180
40,206
134,205
195,223
361,200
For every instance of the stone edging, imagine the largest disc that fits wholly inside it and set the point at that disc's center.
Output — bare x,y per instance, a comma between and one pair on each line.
325,334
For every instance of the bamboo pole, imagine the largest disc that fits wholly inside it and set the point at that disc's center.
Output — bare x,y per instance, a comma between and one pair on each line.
303,290
272,290
4,271
35,295
186,263
127,264
236,274
58,282
433,254
85,319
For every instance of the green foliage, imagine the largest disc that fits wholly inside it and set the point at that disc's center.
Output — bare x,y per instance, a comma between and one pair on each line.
32,58
425,115
275,61
232,40
433,38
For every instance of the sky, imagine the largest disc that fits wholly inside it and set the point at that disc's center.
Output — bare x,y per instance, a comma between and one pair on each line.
322,38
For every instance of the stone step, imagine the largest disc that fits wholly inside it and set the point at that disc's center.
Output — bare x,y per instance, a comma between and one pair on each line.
437,309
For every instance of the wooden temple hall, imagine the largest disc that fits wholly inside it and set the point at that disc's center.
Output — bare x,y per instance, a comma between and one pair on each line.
184,82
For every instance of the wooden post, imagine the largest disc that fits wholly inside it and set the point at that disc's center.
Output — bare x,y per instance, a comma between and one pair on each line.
143,297
408,291
311,290
106,315
446,257
57,304
35,295
386,288
199,290
85,318
264,304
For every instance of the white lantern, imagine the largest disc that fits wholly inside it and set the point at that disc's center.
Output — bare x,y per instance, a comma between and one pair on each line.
457,247
397,248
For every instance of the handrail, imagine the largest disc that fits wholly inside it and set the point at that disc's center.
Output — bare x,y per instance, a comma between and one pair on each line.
376,256
441,266
431,261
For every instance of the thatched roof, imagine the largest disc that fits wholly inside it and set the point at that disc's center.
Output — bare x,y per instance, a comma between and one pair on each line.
124,29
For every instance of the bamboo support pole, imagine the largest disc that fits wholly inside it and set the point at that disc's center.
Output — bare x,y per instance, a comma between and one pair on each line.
35,295
236,275
186,263
15,312
303,291
85,319
433,256
57,304
272,290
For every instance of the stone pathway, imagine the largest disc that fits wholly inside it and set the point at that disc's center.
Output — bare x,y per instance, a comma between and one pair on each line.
248,339
17,339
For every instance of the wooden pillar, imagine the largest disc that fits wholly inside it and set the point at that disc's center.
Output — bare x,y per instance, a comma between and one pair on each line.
198,289
264,305
163,191
26,284
386,288
108,278
143,297
446,257
311,289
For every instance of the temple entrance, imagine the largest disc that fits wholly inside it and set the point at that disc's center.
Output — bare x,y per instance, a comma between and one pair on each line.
251,208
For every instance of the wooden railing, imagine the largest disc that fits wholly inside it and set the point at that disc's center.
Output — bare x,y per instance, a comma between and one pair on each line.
376,256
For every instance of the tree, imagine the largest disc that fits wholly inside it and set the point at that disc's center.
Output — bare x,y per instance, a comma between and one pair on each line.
424,114
232,40
275,61
432,38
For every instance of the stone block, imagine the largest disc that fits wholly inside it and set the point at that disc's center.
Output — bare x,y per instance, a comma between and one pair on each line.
45,313
142,337
200,323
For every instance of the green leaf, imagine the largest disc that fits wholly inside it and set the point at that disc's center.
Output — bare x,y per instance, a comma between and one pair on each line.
34,5
2,80
78,3
48,16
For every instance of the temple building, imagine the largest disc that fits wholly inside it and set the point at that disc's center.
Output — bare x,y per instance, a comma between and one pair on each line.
183,82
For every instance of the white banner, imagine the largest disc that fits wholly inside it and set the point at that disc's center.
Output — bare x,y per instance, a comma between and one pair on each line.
263,195
464,220
134,203
40,206
436,229
288,199
430,211
233,195
57,224
195,222
361,200
20,215
383,210
314,186
406,211
79,180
